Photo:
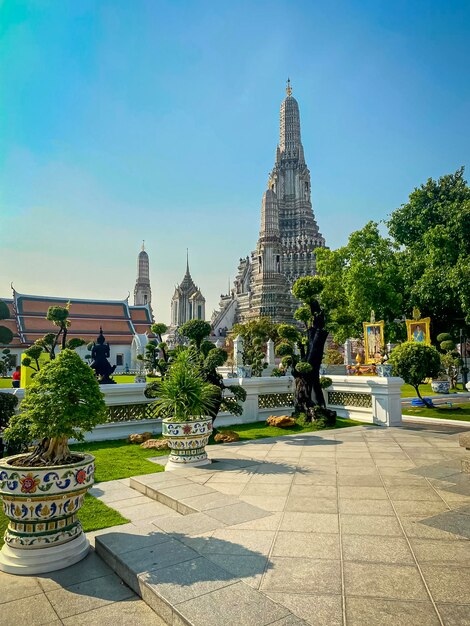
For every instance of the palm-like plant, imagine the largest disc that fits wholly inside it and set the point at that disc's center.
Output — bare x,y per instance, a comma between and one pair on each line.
184,395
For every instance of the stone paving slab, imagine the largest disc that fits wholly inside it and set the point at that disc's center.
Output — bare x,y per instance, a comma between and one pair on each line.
87,592
379,535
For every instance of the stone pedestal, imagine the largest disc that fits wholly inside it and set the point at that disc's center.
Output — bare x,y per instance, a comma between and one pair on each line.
43,560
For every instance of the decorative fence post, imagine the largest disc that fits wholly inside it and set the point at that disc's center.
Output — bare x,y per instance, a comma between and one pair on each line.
238,350
348,358
270,353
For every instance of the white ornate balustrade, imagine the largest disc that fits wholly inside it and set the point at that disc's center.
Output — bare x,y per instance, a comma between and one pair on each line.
373,400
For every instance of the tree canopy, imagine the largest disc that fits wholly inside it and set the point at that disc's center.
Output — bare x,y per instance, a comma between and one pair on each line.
361,276
423,261
433,230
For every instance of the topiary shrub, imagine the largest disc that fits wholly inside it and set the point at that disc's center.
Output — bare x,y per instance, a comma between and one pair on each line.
196,331
451,361
414,362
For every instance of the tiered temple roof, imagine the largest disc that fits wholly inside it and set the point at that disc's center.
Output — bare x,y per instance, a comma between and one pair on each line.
119,320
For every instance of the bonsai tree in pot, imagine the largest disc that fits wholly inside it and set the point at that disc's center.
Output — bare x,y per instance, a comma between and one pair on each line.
184,401
63,401
414,362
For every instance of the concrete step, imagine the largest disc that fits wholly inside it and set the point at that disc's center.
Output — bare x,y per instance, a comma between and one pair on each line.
184,587
168,562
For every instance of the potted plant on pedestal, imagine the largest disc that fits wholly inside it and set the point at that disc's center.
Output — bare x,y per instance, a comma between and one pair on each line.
185,400
43,489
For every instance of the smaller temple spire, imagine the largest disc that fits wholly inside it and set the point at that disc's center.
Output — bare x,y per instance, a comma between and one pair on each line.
288,88
142,291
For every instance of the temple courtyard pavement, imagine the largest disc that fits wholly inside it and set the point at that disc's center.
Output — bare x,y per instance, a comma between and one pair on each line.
357,526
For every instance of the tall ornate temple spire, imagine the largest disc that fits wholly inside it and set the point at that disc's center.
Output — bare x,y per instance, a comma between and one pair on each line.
290,144
270,289
288,88
269,230
291,180
288,238
142,291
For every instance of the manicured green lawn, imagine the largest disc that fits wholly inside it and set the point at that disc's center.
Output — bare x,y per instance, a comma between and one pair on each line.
462,413
119,459
5,383
259,430
407,391
127,378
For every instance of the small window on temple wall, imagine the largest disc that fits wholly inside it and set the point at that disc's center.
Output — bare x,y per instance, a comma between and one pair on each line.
278,263
260,262
199,312
119,360
145,298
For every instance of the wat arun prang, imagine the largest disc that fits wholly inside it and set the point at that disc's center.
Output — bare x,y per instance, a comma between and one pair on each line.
288,236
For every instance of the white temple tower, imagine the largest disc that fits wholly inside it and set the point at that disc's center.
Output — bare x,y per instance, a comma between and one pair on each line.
270,292
295,240
290,179
142,291
187,302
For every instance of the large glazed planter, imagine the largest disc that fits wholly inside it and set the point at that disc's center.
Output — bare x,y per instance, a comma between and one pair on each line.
440,386
41,503
187,442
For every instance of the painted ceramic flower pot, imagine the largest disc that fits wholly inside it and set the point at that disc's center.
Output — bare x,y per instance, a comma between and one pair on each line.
187,442
41,503
384,369
440,386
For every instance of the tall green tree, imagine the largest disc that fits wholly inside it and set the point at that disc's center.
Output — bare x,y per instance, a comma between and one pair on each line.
433,232
363,275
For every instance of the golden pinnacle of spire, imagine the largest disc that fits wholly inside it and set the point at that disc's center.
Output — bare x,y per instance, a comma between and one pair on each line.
288,88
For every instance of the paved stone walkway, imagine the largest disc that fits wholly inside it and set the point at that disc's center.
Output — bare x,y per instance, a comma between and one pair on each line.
358,526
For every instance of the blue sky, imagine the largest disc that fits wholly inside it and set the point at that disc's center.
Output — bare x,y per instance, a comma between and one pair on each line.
122,121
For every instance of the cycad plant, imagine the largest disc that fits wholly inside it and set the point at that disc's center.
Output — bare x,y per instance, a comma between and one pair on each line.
183,395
